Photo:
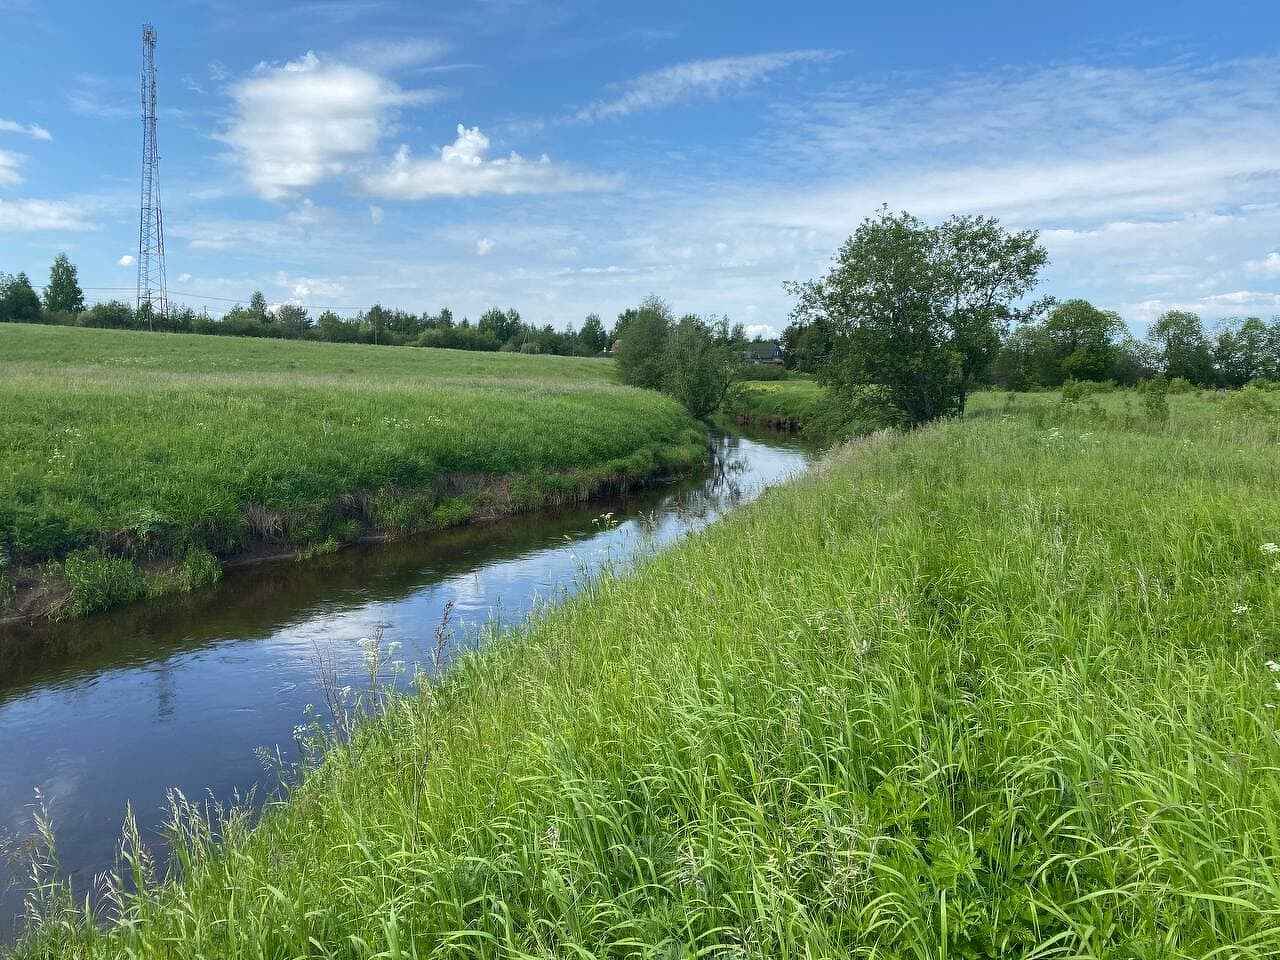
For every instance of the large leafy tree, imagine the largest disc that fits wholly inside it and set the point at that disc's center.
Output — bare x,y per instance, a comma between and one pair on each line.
1184,349
641,335
917,311
702,362
1083,341
18,301
63,294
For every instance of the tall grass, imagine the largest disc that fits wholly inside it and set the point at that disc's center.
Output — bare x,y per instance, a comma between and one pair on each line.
147,445
994,688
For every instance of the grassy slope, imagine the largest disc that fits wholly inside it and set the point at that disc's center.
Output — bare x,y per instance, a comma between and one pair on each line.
793,402
991,688
160,435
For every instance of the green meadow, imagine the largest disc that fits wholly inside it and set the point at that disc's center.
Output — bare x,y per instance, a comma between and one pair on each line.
122,451
1004,686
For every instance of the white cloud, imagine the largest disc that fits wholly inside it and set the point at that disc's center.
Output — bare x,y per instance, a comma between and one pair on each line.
484,246
303,288
125,261
376,213
696,79
463,170
33,215
1270,264
754,330
184,278
9,164
308,120
32,130
394,54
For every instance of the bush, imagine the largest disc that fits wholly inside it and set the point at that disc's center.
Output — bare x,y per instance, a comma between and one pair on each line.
1250,403
1155,399
99,581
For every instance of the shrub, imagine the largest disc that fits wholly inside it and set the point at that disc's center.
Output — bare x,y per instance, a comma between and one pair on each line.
1155,399
99,581
1250,403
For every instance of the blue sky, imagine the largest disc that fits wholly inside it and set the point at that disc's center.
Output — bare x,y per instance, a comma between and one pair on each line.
569,157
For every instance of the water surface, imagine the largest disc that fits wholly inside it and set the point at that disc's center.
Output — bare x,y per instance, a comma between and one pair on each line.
182,694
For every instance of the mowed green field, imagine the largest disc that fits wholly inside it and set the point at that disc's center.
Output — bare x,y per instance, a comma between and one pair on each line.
168,438
1002,687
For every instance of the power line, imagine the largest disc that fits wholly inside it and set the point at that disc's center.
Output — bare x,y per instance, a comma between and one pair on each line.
205,296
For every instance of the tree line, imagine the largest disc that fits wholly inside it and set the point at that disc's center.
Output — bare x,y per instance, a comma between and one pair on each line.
912,317
63,303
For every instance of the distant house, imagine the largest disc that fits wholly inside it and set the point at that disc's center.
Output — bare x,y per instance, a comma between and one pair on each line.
763,351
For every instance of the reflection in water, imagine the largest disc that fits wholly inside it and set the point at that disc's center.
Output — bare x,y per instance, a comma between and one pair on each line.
181,694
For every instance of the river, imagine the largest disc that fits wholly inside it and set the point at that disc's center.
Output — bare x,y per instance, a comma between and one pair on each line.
182,694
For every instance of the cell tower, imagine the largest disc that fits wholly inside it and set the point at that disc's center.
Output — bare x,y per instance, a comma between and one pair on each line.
152,289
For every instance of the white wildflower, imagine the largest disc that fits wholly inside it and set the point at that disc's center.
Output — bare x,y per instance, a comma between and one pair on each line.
1270,548
1240,608
1273,666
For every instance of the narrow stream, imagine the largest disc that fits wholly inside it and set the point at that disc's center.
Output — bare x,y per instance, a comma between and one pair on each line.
182,694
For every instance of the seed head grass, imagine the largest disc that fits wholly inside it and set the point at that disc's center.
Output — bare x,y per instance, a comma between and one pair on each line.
997,687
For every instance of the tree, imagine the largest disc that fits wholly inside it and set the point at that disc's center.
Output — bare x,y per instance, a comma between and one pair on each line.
1083,342
1241,352
642,344
806,347
1184,349
293,320
63,294
501,325
701,364
18,301
592,335
917,311
258,306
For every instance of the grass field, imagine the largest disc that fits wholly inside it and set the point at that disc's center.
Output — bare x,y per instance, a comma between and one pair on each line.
127,448
1000,687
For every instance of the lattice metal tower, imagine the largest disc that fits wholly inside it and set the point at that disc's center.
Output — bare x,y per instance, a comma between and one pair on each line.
152,289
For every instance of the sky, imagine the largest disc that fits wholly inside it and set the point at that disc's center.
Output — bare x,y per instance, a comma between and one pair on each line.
564,158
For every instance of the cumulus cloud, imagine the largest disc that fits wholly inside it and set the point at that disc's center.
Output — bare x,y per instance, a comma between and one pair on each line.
32,130
33,215
309,120
464,170
9,163
125,261
376,213
484,246
694,80
754,330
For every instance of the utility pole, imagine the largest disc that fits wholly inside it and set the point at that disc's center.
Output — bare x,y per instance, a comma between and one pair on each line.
152,289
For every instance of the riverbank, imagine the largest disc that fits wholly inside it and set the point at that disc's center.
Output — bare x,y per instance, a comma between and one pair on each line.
997,687
136,464
775,404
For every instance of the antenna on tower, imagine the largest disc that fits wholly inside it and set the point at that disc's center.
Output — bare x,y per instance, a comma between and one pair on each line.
152,289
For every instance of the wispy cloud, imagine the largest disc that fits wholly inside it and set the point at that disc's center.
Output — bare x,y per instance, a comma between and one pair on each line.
463,169
394,54
306,121
32,130
9,164
102,98
38,215
694,80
